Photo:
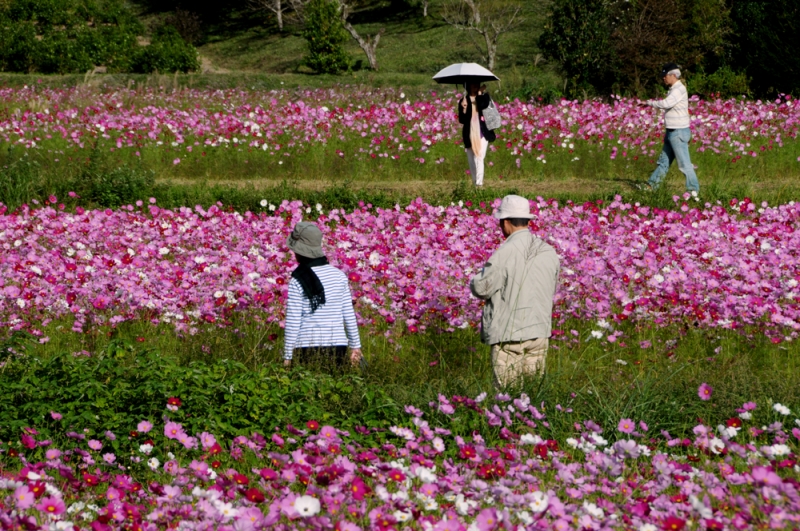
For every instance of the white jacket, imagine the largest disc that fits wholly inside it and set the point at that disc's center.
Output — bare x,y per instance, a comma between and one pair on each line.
676,105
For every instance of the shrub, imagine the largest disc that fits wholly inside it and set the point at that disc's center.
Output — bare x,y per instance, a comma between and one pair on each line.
577,36
723,83
167,52
326,36
71,36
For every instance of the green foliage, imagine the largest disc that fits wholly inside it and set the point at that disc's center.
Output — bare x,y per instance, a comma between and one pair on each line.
577,36
324,31
765,44
121,386
722,83
62,36
167,52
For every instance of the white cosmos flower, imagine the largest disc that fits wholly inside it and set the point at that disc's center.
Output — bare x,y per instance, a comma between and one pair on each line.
525,518
306,506
226,510
779,450
593,510
539,502
780,408
264,202
648,527
146,448
153,463
745,415
402,516
597,334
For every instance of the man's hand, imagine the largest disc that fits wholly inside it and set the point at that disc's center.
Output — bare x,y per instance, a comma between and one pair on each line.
287,363
355,356
482,89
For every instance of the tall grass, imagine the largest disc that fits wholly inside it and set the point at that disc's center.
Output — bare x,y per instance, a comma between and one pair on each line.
242,179
594,378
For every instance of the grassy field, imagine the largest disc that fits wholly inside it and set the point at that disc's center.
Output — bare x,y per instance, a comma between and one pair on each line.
652,374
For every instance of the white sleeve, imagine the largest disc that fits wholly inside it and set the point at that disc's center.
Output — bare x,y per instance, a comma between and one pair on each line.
349,315
673,98
294,313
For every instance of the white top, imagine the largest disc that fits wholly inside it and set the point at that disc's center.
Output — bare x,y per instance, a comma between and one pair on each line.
333,324
676,105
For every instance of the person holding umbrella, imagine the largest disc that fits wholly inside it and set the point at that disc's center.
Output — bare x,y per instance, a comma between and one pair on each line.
474,132
471,108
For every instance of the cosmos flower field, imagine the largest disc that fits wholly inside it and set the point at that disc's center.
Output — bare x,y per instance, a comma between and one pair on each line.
182,127
719,266
476,463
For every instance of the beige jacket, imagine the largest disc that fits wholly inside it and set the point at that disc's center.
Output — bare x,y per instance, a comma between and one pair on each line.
518,284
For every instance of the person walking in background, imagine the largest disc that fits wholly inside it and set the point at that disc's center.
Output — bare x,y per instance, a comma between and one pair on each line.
320,320
678,135
474,132
518,284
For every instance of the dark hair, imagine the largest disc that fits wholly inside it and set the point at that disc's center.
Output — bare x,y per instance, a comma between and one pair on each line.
519,222
302,260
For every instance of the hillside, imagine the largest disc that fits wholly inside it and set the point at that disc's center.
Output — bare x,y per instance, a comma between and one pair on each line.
411,50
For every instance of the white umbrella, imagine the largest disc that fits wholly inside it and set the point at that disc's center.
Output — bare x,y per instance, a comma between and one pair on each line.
460,73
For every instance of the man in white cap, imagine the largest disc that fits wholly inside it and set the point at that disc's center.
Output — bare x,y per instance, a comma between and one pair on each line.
678,134
518,284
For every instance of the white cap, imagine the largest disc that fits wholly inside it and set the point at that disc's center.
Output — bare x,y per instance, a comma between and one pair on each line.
513,206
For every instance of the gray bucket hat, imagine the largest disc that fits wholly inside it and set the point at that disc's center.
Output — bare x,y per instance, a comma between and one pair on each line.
306,240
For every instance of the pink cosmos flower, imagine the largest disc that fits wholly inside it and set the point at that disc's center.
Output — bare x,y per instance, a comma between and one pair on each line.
94,444
55,416
51,505
23,497
52,453
626,426
144,427
207,440
705,391
173,430
109,458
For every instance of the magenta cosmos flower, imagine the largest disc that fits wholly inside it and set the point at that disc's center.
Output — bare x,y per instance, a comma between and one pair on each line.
705,391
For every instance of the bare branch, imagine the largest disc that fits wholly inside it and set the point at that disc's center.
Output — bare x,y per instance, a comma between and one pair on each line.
488,18
369,44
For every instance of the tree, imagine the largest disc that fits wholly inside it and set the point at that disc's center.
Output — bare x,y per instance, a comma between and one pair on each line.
766,44
277,7
577,36
326,37
488,18
645,35
648,33
368,44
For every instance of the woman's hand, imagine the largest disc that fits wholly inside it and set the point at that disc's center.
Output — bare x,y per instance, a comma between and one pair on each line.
287,363
464,104
355,356
482,89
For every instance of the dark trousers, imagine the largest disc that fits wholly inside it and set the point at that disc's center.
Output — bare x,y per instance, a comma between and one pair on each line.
322,357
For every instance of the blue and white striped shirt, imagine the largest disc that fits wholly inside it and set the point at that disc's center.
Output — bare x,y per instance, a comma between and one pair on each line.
333,324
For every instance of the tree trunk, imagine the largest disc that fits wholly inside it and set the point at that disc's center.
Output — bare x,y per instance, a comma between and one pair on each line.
369,45
424,8
279,14
491,48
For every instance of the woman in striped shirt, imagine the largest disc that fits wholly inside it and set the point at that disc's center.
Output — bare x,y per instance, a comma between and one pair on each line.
320,320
